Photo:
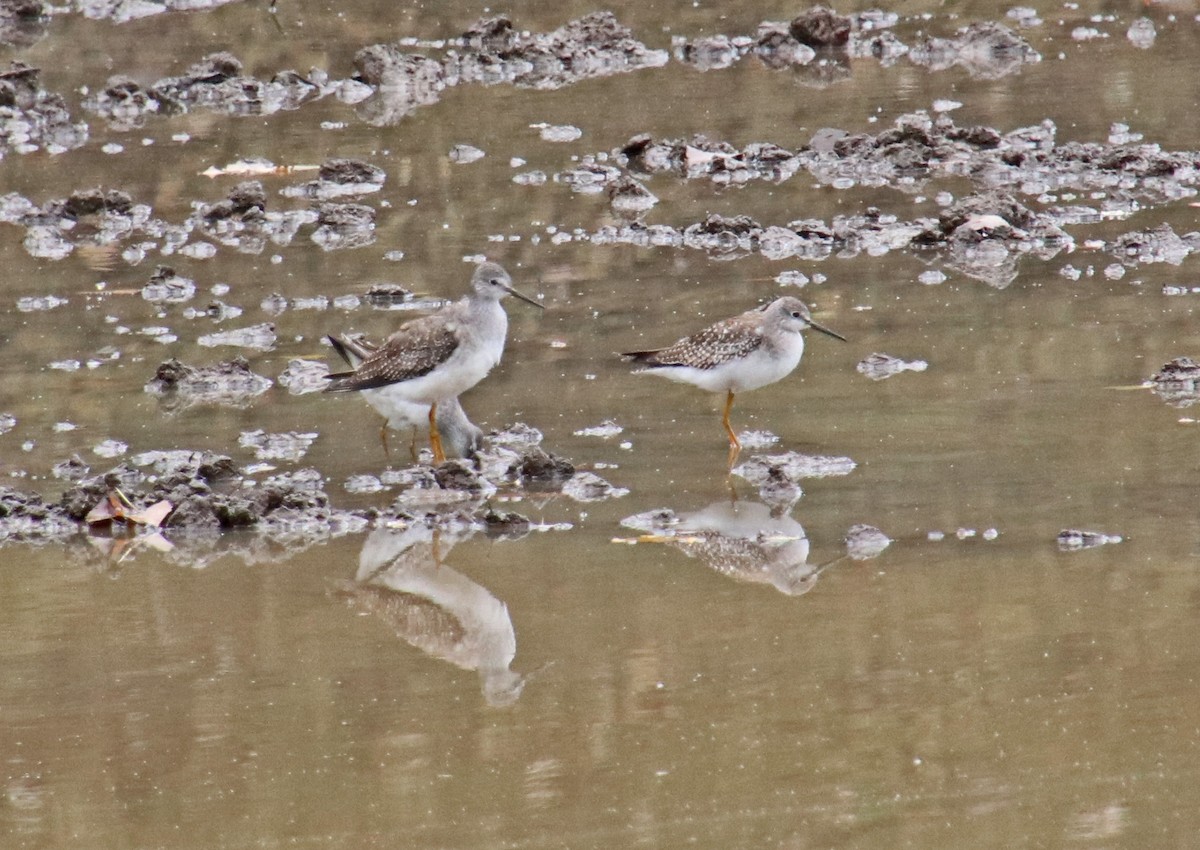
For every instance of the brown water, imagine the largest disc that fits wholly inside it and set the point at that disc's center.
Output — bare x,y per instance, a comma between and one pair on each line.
981,690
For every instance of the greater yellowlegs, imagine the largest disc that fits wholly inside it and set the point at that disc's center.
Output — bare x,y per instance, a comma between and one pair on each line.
402,579
737,354
441,355
460,436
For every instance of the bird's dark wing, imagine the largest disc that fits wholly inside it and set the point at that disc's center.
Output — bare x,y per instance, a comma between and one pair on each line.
352,349
707,349
416,349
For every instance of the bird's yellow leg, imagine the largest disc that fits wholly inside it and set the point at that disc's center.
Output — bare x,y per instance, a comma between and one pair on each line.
435,439
735,447
387,456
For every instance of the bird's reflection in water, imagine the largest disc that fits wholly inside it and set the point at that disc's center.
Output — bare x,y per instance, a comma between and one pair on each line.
748,542
401,580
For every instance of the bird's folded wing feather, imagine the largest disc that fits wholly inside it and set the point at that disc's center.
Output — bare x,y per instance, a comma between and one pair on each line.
706,349
414,350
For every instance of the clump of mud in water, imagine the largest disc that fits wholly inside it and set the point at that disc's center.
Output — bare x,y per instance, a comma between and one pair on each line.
509,458
864,542
167,287
216,82
23,22
1160,245
121,13
1178,382
491,52
123,102
340,178
260,337
27,518
205,491
1073,540
243,222
229,383
341,226
986,50
33,119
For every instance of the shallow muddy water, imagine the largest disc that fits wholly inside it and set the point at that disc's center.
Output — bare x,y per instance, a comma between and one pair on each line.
652,652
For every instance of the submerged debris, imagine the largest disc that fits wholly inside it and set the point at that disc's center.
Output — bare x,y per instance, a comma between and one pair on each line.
491,52
341,226
794,465
464,154
167,287
778,477
1072,540
984,50
290,446
26,517
340,178
864,542
388,296
1160,245
229,383
304,376
23,22
260,337
1178,382
216,82
33,119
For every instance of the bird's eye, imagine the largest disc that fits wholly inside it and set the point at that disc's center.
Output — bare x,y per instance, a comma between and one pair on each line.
796,314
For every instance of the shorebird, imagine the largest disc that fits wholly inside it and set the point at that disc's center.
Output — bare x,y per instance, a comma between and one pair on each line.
403,581
441,355
748,542
460,436
734,355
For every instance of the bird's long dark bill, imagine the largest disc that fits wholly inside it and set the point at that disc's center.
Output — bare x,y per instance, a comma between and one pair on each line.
825,330
524,298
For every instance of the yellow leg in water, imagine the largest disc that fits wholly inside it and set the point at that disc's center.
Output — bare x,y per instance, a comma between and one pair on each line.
735,447
383,439
435,439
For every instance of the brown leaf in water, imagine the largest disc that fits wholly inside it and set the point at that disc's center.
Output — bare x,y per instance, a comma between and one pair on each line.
106,510
153,515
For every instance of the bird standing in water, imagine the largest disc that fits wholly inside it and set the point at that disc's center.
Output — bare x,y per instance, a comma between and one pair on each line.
734,355
441,355
460,436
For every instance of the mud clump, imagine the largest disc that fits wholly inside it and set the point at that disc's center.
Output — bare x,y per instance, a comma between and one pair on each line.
340,177
342,226
1074,540
1177,382
864,542
33,119
821,28
230,383
27,518
167,287
987,51
1160,245
23,22
124,103
247,201
539,467
492,52
216,82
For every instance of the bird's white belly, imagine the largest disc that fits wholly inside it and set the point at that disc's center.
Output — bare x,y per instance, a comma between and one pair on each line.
395,404
465,368
757,369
